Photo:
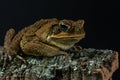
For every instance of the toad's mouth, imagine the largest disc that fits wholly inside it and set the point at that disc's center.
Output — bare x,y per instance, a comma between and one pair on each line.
66,39
67,36
65,42
69,39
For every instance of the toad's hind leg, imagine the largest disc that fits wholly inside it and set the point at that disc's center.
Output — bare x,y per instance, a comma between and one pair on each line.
7,43
9,49
41,49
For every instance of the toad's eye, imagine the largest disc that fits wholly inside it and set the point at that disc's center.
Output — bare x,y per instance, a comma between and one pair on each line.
64,27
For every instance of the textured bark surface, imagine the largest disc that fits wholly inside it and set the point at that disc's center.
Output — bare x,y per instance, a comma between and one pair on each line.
86,64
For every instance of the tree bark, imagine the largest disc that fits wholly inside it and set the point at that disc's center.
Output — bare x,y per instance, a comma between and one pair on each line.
85,64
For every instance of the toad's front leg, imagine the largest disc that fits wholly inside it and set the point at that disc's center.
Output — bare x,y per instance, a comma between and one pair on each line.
37,48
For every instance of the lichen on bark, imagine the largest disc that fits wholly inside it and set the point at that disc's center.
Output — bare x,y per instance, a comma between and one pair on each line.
92,64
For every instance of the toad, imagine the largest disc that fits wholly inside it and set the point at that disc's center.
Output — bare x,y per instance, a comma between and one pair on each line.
46,37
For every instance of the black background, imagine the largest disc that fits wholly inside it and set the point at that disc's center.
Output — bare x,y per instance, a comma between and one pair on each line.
101,19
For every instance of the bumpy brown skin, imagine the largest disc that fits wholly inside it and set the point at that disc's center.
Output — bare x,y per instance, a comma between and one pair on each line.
46,37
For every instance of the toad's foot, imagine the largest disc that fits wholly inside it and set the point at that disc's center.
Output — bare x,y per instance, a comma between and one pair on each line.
10,57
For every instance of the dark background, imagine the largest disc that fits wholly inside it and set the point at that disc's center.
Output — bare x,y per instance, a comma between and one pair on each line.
102,19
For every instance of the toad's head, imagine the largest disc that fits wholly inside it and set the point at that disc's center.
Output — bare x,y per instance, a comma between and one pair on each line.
62,33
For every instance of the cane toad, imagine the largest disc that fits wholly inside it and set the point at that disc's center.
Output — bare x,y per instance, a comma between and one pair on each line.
46,37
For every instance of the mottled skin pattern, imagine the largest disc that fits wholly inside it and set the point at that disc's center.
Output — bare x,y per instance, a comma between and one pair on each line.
46,37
